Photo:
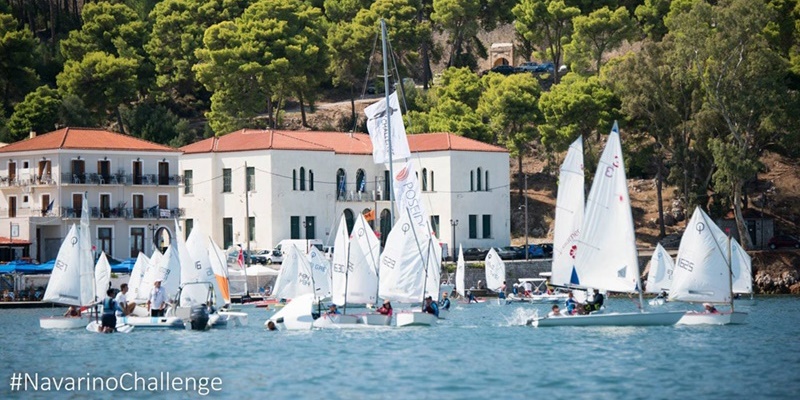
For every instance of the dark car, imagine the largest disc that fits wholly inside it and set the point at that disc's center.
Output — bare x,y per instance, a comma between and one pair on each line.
547,248
475,254
536,251
506,253
783,241
502,69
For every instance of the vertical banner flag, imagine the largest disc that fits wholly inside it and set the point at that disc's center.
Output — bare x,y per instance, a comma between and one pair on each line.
406,188
379,130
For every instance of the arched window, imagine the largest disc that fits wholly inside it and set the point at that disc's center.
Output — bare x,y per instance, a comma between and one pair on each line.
386,225
350,219
433,189
341,184
294,179
424,179
302,178
361,180
479,180
471,180
486,181
311,180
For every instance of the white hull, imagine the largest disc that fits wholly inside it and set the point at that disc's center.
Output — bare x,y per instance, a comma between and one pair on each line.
153,322
234,318
375,319
337,321
700,318
656,302
94,327
415,318
62,322
537,299
611,319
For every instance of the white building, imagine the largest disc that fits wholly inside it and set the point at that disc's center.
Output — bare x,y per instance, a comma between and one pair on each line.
132,188
302,182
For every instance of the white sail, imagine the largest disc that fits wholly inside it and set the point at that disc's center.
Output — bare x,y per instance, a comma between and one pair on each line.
202,269
742,269
86,254
495,271
460,270
102,276
661,267
701,269
220,267
434,267
156,257
403,261
64,286
168,271
286,282
340,259
378,121
137,274
321,272
369,245
362,279
569,214
297,314
606,253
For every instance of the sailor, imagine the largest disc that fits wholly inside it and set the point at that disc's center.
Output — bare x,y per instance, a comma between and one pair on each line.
430,306
710,309
157,301
110,307
333,310
571,304
556,312
471,297
444,303
122,301
386,308
594,302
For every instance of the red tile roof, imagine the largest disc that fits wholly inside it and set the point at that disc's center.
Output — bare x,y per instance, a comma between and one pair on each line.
85,139
6,241
339,142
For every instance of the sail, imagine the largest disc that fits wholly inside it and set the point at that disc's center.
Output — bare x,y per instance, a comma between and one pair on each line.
102,276
220,267
286,282
370,246
742,268
569,214
86,262
378,128
168,270
701,270
64,286
138,272
460,269
340,259
661,266
202,270
362,279
434,268
495,271
321,272
409,197
606,254
403,261
155,258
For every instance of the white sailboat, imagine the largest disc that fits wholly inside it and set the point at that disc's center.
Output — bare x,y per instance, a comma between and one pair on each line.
703,272
495,272
606,256
742,270
370,247
102,279
72,280
659,279
168,271
569,214
460,273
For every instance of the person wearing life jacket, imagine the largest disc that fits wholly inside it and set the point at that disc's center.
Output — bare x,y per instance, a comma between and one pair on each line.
386,308
710,309
444,303
571,304
430,306
109,318
594,302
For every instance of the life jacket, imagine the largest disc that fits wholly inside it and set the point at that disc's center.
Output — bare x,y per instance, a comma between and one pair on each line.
109,306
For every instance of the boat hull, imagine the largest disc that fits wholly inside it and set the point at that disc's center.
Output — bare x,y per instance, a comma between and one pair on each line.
234,318
537,299
415,318
154,322
699,318
375,319
336,321
94,327
56,322
657,301
611,319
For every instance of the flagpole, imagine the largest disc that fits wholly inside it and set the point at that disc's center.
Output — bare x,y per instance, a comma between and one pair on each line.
388,114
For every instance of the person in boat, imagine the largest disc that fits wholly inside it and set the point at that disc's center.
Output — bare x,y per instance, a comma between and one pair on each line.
332,310
471,297
481,286
501,294
430,306
710,309
73,311
556,312
110,308
444,303
515,289
594,302
528,288
386,308
122,300
572,305
271,325
157,301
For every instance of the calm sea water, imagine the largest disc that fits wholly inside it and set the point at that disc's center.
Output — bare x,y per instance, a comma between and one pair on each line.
481,351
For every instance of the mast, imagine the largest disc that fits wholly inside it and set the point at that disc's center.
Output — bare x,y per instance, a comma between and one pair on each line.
388,115
246,225
730,269
346,276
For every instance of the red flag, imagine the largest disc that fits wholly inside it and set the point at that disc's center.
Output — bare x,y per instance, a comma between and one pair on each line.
240,259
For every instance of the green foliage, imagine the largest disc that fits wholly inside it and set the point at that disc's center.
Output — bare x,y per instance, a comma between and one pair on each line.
651,17
596,34
154,122
454,102
546,23
459,20
17,63
510,105
38,112
102,81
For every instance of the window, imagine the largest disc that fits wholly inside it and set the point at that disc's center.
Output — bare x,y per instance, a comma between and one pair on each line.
24,165
387,185
294,179
473,226
104,170
432,188
188,178
227,232
311,180
435,224
104,237
295,227
302,179
486,182
487,226
251,228
105,205
341,184
12,207
471,181
77,204
137,241
479,180
250,179
226,180
311,228
188,226
361,181
138,205
163,173
25,199
46,207
424,179
350,220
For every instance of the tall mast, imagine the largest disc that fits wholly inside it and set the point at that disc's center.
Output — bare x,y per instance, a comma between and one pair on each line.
388,115
730,269
246,224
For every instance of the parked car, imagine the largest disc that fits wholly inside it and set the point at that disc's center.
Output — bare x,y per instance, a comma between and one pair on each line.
783,241
544,67
501,69
529,66
547,248
475,254
506,253
536,251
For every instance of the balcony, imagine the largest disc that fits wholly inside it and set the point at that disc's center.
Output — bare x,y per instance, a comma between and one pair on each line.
356,196
121,178
123,213
19,181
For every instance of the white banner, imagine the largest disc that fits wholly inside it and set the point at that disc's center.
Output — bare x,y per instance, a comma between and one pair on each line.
406,188
379,130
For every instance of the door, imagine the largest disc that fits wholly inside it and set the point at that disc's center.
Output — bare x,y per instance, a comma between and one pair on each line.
137,241
105,205
163,173
163,206
104,170
12,207
311,228
137,172
46,204
78,171
12,172
77,204
45,171
138,206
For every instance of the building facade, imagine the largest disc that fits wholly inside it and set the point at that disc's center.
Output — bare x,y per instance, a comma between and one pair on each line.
131,184
299,184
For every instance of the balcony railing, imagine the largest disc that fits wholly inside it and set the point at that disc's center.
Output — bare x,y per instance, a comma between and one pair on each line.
18,181
124,213
121,178
368,195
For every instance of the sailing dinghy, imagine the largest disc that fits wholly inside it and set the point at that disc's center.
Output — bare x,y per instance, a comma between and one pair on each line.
659,279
